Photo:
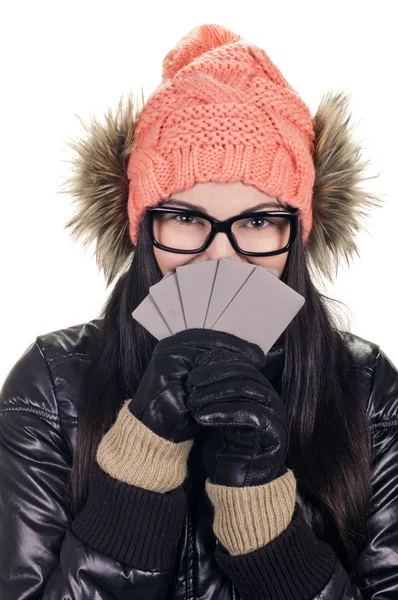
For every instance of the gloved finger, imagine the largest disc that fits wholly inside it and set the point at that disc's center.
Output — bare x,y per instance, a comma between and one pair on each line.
230,369
245,404
175,350
244,430
211,339
233,343
182,339
223,356
229,413
237,456
166,413
173,364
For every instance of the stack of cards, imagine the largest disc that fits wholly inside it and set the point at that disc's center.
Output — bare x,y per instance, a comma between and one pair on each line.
249,301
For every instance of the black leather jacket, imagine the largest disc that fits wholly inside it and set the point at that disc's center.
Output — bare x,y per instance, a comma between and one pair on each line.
41,558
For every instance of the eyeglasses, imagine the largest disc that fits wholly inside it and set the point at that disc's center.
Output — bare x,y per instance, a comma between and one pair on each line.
190,232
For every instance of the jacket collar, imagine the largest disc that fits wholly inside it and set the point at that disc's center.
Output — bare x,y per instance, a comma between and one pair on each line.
274,364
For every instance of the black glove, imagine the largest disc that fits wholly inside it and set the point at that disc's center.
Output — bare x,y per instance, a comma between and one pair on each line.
160,400
243,420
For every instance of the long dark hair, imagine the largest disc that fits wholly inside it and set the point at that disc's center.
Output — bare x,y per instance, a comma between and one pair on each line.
329,440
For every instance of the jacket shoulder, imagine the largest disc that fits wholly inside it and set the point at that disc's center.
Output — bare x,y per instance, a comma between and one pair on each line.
360,352
367,359
73,341
48,372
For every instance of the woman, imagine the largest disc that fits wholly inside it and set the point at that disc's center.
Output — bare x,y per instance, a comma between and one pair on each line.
198,467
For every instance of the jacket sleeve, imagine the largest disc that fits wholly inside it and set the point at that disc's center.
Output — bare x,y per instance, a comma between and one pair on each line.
298,566
40,557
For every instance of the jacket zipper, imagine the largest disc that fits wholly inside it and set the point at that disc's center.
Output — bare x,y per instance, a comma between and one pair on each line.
189,595
189,588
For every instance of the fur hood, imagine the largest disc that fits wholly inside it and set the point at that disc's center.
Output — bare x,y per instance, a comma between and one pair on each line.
99,187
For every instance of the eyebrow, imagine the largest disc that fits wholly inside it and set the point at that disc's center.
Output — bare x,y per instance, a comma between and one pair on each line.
176,202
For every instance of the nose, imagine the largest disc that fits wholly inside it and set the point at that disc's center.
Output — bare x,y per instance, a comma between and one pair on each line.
221,247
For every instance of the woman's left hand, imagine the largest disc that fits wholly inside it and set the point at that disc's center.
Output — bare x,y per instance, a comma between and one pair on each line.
244,420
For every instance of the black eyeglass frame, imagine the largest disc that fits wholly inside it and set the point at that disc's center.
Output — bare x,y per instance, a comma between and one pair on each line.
224,227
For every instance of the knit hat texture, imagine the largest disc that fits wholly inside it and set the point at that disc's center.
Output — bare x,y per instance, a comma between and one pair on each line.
223,112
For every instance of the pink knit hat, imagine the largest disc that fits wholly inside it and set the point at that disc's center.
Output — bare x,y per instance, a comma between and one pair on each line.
223,112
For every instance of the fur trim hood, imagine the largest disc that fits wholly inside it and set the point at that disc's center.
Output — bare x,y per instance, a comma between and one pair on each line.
99,187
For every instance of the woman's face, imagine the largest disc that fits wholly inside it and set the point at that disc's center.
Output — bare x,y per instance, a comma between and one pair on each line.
221,201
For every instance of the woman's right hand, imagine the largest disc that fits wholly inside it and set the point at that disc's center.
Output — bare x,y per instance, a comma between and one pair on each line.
160,400
149,443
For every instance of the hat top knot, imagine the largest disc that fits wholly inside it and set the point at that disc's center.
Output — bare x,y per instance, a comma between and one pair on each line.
198,41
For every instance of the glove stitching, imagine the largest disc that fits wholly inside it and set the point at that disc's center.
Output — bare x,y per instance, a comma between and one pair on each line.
248,469
230,378
225,445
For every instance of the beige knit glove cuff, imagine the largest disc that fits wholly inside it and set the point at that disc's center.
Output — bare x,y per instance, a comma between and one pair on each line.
248,518
132,453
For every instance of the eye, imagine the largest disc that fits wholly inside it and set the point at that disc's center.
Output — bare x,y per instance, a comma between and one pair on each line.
184,218
187,220
258,219
266,222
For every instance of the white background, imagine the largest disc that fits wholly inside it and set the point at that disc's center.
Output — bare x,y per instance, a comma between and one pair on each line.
73,58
